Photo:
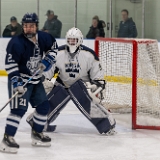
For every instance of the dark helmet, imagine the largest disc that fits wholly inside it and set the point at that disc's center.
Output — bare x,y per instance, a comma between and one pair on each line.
30,18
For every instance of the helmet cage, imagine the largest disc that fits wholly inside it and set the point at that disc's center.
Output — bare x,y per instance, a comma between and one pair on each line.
74,39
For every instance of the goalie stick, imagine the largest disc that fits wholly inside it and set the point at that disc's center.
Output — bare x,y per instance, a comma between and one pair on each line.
17,91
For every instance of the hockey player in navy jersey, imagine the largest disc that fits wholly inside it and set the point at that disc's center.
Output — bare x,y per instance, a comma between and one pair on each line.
24,57
81,80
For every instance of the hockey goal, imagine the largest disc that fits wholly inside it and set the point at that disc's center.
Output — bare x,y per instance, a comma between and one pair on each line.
132,74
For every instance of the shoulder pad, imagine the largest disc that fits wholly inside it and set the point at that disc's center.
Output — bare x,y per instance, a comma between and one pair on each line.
85,48
63,47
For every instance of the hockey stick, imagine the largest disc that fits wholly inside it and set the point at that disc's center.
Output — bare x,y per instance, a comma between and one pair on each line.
17,91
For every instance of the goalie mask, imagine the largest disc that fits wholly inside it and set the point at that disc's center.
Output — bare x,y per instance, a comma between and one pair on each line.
30,24
74,39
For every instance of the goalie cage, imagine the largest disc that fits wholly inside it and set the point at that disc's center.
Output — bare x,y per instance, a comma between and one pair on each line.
132,74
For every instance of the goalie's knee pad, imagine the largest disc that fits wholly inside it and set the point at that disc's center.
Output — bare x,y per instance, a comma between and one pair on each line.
80,96
57,98
96,113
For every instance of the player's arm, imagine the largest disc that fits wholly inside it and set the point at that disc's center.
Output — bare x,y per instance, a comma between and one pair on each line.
12,60
96,86
97,74
95,71
52,47
50,54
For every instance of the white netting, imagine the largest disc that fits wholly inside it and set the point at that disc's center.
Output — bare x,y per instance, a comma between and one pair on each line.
116,60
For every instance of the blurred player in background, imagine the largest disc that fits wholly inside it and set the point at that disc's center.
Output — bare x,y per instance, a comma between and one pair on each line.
81,80
23,59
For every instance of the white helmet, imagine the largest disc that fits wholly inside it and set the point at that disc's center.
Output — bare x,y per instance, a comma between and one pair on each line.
76,36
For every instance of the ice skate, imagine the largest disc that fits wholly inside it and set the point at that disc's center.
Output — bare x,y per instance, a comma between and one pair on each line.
111,131
39,139
8,144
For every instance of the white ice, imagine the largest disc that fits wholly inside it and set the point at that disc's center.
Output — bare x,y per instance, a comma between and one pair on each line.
77,139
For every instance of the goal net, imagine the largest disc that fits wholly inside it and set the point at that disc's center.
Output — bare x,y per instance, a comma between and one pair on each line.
132,74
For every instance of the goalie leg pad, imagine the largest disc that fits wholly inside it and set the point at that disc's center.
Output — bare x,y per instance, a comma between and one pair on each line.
58,98
95,113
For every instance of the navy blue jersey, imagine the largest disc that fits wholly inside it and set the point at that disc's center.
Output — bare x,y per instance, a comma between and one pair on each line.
23,55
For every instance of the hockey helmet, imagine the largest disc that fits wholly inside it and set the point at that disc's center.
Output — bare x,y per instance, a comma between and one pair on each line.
30,18
74,38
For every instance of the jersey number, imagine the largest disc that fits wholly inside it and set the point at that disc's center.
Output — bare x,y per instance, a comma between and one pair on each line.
10,58
22,102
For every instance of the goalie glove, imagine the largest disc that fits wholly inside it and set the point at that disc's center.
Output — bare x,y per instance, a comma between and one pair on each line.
99,83
96,89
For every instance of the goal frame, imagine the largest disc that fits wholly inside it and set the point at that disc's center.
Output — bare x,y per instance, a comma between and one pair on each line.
134,74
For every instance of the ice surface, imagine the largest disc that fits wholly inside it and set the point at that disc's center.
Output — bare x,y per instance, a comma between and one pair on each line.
77,139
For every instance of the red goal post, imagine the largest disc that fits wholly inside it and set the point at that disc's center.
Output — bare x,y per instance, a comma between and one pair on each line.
132,73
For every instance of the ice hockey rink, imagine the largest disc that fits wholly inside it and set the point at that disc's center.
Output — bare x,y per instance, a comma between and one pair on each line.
76,138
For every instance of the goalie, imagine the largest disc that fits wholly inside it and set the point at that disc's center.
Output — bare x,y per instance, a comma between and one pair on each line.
81,80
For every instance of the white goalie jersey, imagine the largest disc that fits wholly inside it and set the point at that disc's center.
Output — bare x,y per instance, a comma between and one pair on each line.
84,64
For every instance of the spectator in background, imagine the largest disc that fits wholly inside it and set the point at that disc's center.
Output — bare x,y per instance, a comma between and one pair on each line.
96,30
52,25
12,29
101,23
127,27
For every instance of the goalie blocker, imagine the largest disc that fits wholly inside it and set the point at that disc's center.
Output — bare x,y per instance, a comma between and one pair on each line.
93,111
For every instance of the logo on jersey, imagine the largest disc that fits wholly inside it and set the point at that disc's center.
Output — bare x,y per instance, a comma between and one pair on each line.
72,69
36,50
32,65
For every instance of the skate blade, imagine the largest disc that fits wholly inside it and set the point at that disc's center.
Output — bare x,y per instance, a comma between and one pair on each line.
38,143
4,148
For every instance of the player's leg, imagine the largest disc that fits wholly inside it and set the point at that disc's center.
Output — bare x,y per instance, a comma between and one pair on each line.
58,98
18,106
97,114
39,101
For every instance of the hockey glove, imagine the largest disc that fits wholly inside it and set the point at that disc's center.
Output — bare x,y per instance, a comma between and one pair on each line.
17,83
99,83
47,63
96,89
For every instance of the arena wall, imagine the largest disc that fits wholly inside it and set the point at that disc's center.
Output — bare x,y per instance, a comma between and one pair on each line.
4,42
